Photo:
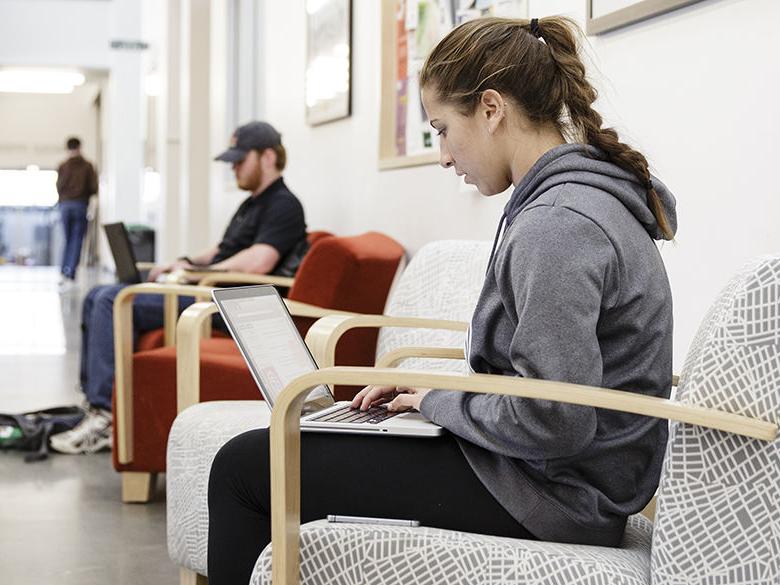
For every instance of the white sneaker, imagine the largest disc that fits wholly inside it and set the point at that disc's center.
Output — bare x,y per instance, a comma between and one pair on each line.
91,435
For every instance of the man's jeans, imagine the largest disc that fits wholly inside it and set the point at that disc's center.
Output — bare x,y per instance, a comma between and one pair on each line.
74,221
97,337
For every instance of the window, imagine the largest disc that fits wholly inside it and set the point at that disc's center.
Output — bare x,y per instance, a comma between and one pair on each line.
31,187
243,66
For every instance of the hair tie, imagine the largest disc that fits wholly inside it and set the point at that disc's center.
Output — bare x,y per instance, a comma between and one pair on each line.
535,28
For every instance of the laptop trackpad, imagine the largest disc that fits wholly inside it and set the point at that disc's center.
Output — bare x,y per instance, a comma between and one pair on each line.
406,419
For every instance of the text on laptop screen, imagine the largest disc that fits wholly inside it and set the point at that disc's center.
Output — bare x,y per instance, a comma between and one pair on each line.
271,342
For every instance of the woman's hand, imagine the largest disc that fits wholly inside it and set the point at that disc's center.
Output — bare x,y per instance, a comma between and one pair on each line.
398,398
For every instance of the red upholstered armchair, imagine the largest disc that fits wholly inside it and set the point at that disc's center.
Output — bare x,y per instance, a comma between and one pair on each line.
339,274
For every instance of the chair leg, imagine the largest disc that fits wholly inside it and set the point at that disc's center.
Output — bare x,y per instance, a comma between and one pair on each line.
187,577
137,487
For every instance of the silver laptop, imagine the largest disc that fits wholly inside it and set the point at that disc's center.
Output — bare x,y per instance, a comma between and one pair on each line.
259,321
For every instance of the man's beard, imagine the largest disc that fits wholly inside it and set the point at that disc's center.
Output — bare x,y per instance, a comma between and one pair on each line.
253,182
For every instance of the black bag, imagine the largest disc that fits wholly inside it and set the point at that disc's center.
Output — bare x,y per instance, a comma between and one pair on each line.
30,431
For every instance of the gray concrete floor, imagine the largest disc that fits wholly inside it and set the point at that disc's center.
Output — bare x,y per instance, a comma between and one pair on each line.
62,520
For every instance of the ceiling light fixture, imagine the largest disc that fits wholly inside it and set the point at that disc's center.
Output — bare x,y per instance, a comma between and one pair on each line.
17,80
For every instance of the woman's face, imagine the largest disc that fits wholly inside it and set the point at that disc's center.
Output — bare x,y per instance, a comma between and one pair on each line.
467,143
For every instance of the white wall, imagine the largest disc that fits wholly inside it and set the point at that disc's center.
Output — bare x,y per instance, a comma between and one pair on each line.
50,32
695,90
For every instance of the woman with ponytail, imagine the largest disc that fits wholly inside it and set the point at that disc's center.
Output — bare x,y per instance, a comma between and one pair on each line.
575,291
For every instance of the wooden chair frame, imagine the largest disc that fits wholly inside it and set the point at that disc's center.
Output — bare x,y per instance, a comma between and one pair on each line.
285,430
324,335
138,486
215,278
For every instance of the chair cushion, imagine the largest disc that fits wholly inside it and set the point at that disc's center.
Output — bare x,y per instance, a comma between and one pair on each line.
151,340
443,281
341,554
348,273
190,453
223,374
156,338
716,518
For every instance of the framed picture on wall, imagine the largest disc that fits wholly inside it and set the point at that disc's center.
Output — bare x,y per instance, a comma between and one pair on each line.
410,30
328,60
607,15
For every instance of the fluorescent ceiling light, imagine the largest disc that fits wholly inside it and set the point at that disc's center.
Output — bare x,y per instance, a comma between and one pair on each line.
39,80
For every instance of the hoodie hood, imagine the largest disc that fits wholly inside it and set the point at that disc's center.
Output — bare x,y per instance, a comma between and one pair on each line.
587,165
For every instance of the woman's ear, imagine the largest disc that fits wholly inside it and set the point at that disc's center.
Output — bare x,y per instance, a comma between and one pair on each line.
492,109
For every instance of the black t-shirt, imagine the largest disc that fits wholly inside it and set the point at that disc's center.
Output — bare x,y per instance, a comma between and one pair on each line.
275,217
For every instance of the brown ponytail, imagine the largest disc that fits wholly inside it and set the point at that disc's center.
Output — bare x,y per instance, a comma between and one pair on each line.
540,69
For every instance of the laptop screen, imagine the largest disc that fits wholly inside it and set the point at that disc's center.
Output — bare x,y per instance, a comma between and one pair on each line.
122,251
264,331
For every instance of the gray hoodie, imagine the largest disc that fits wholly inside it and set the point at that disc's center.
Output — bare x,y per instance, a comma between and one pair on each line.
576,291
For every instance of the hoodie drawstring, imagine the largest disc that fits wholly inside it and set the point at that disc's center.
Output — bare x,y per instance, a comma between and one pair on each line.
495,241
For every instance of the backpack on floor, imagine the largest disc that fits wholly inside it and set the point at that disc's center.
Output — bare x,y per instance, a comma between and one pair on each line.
30,431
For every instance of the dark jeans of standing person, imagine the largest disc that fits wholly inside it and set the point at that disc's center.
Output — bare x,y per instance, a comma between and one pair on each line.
74,221
425,479
97,336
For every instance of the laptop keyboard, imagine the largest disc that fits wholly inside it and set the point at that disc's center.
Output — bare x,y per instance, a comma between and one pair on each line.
347,414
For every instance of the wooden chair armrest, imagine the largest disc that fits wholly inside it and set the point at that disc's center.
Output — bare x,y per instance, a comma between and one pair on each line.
216,278
286,447
393,358
172,292
324,335
123,350
298,309
188,336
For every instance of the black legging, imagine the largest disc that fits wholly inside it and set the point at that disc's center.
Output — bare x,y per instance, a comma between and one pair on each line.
425,479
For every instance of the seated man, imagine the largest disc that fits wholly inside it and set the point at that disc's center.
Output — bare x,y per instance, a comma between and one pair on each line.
267,235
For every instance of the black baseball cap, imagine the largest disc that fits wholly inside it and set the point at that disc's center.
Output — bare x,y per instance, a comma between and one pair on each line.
255,135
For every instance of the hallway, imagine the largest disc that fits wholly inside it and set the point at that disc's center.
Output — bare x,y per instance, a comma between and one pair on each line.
61,520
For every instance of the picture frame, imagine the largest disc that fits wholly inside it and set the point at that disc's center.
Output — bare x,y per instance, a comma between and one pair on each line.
607,15
328,76
410,29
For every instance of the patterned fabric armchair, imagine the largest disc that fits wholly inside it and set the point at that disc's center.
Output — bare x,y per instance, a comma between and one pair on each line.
430,305
716,520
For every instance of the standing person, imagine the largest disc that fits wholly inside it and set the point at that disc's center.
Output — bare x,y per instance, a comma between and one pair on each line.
267,235
575,291
76,183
